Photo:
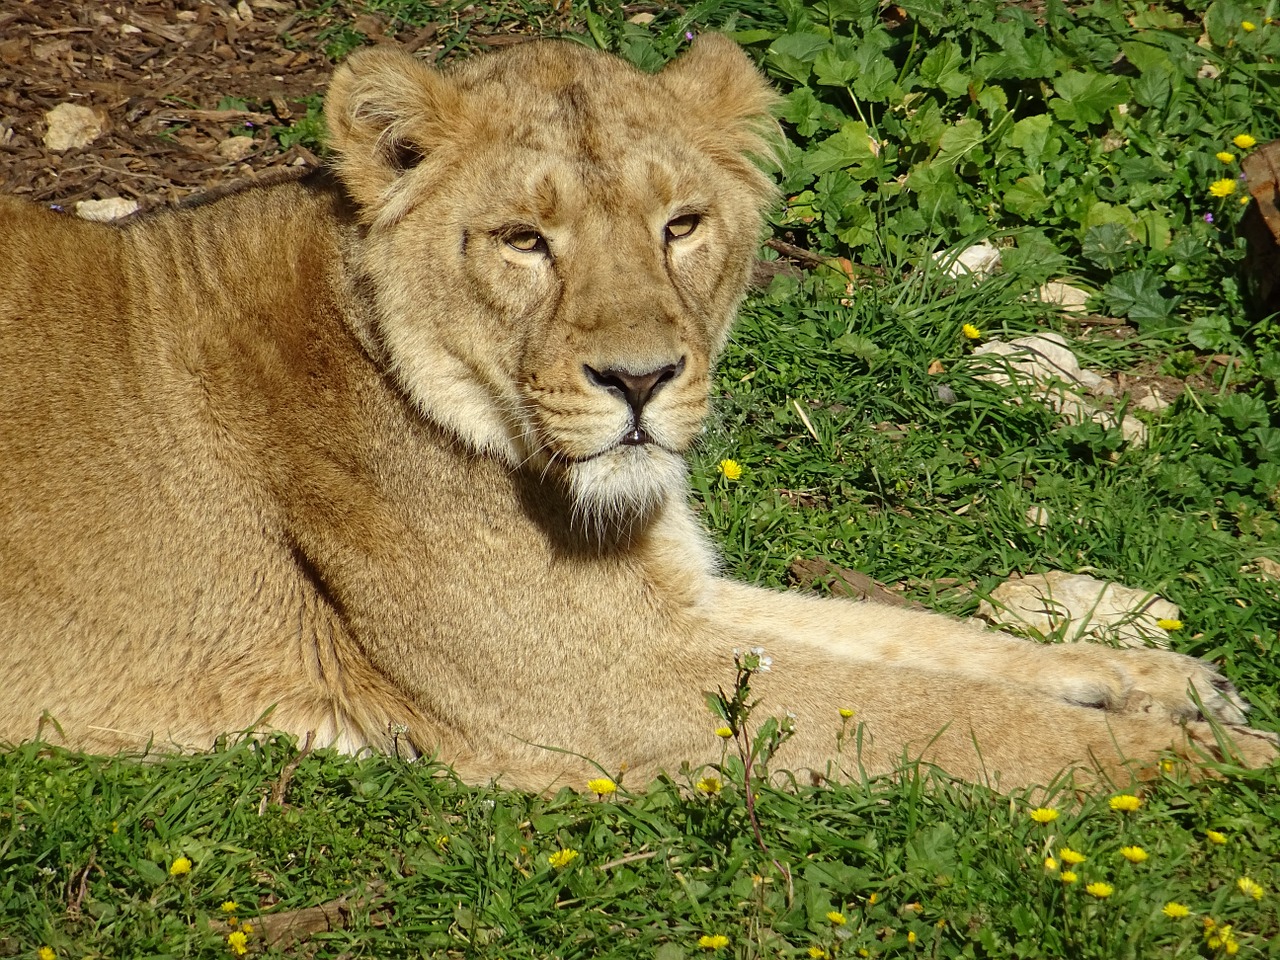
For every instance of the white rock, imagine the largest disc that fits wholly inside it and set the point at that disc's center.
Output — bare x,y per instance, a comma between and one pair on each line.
1065,297
236,148
71,126
1039,361
1038,516
981,260
1078,607
103,211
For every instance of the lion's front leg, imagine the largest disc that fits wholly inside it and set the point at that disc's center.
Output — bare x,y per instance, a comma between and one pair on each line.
1081,674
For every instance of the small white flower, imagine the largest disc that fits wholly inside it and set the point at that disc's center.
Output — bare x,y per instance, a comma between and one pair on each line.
758,651
765,664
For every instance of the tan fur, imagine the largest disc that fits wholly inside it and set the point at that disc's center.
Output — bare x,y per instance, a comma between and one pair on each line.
327,457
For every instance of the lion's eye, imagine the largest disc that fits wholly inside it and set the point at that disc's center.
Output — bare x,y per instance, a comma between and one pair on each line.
682,226
527,241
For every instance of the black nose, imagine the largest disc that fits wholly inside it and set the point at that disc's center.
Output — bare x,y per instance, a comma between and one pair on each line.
636,388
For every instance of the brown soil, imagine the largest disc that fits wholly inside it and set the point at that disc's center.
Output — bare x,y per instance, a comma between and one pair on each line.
162,73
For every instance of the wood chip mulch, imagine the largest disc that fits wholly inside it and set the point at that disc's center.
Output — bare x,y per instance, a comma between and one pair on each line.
174,81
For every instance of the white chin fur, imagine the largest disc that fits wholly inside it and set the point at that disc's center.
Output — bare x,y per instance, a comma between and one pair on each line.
625,483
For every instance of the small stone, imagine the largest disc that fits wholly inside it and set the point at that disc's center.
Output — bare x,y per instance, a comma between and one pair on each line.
980,260
1078,607
1151,401
70,127
642,19
104,211
236,148
1267,567
1064,296
1038,516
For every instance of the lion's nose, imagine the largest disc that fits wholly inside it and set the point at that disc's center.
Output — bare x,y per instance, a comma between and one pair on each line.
636,388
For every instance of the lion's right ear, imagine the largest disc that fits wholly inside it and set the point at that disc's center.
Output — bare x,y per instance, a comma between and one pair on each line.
386,112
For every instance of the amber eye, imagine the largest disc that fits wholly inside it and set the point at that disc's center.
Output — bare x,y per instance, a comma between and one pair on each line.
682,226
527,241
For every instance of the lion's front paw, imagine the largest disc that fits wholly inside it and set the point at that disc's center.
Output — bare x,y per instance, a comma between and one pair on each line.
1146,681
1169,679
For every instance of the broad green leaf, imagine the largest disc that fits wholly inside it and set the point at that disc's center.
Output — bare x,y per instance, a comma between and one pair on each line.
1268,444
959,140
1243,410
1031,136
1026,197
943,67
1107,245
927,126
850,147
1084,98
1136,295
802,109
932,14
833,69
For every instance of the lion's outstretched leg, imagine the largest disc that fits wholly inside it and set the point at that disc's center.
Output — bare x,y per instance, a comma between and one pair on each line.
1083,674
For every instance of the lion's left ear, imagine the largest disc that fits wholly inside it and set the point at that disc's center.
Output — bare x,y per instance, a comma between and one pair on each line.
717,85
386,112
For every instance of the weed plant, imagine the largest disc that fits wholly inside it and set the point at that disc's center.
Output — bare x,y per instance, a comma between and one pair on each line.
1097,142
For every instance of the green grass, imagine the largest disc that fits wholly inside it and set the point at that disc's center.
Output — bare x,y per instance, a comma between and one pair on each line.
989,124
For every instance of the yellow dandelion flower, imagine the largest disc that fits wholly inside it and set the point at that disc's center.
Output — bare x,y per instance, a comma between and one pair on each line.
1099,889
911,936
1250,888
179,867
562,858
1244,201
1231,947
1050,864
1072,857
247,927
716,941
1068,876
602,786
709,785
817,953
724,733
1226,156
873,898
1170,625
230,906
1248,26
845,713
1166,765
238,943
1244,141
442,842
1213,836
45,953
1044,814
731,469
1134,854
836,917
971,332
1222,188
1175,910
1125,802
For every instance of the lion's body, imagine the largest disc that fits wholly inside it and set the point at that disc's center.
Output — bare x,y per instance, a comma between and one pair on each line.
362,460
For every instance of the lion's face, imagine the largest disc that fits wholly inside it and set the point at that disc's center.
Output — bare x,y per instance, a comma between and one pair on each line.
557,244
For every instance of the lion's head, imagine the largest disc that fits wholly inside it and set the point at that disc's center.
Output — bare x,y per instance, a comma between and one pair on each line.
578,233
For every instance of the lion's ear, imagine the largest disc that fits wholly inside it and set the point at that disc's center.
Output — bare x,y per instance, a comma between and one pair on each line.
385,112
720,88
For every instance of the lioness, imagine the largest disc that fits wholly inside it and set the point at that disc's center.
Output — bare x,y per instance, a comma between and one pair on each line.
397,456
